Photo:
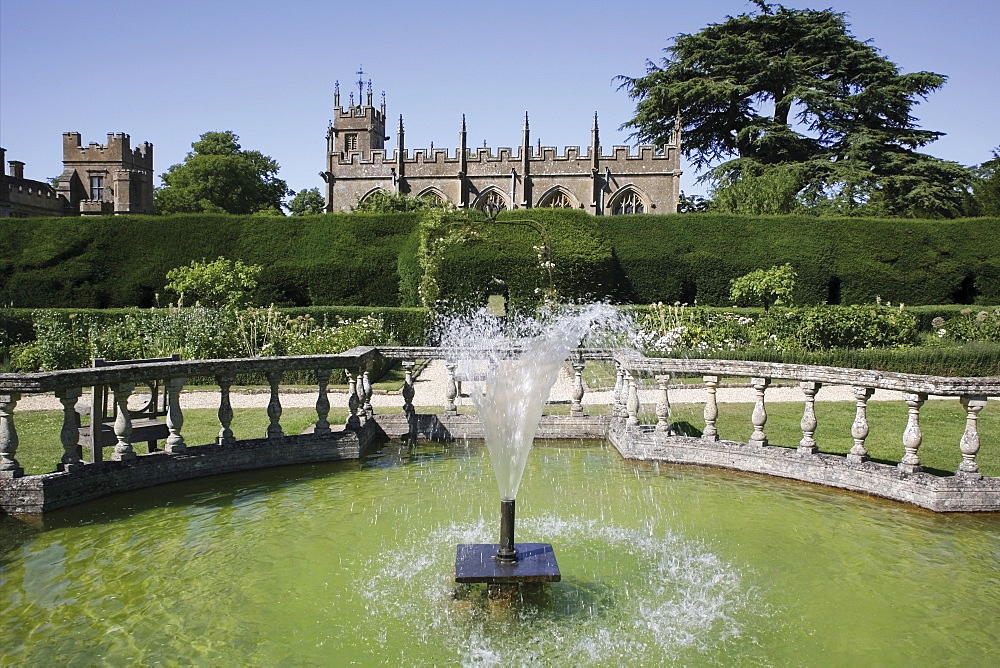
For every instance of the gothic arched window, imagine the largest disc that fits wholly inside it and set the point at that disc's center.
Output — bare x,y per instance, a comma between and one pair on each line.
558,200
628,202
493,199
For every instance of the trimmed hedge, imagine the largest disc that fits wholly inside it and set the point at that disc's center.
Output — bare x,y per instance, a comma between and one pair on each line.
408,325
692,257
505,255
369,259
972,360
104,262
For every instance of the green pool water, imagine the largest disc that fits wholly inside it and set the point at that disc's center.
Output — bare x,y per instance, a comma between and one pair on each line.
352,562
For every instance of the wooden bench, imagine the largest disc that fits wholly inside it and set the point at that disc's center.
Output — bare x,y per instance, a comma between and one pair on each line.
146,423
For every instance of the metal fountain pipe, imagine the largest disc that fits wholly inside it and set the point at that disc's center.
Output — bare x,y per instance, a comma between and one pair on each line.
506,553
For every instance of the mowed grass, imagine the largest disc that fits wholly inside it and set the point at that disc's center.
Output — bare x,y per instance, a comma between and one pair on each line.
942,423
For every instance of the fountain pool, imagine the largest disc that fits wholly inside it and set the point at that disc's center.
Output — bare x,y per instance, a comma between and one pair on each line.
311,565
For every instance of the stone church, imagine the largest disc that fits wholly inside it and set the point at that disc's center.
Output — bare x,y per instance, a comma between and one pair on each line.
358,165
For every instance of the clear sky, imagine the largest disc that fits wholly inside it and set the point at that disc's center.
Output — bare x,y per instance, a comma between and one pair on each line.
167,71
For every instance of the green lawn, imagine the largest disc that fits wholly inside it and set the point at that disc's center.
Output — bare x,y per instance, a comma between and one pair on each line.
942,424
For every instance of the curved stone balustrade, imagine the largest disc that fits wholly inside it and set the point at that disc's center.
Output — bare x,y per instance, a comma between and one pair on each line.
966,490
74,480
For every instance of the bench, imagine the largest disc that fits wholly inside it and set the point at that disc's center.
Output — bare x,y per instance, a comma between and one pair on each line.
146,423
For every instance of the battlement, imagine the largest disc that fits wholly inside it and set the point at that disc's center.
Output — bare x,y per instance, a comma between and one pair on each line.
359,112
485,154
117,149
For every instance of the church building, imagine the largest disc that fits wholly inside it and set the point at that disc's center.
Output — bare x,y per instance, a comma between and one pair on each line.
646,180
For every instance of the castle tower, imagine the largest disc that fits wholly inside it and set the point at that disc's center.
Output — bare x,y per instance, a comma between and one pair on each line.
110,178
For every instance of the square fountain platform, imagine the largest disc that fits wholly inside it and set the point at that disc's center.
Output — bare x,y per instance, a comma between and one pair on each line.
536,562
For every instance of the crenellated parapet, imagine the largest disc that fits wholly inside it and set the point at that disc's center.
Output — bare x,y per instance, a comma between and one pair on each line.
117,150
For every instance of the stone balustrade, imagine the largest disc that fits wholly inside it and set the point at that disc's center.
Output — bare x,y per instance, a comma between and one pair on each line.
967,490
74,480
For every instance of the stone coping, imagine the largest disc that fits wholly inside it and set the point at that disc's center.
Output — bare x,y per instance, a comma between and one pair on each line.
955,493
885,380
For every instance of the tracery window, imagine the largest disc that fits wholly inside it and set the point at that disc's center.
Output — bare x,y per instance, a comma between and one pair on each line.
351,142
629,202
559,200
493,200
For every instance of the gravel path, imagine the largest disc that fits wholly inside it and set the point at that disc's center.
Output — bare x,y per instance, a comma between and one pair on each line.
430,391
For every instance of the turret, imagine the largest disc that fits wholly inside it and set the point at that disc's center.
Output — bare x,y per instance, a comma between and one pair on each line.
526,165
400,147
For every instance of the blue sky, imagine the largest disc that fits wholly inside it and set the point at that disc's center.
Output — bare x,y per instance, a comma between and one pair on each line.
165,72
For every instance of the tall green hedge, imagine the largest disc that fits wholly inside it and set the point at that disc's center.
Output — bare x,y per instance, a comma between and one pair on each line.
369,259
103,262
505,258
693,257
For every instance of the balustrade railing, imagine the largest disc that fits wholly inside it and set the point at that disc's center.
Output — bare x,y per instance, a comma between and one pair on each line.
915,389
626,398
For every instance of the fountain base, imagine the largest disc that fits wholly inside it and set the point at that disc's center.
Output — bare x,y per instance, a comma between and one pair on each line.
476,562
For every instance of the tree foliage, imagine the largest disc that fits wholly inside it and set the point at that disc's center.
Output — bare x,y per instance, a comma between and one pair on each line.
220,282
794,87
306,202
384,202
987,186
220,177
767,287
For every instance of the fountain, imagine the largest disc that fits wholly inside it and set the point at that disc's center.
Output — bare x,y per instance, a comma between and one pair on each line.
509,367
329,562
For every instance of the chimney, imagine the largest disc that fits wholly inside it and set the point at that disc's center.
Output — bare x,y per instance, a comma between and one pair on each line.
3,165
16,169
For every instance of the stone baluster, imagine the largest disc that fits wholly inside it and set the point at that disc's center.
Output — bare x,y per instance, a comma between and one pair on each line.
663,404
808,424
353,422
123,423
711,433
322,402
175,418
759,417
576,405
408,390
70,433
225,437
9,466
859,430
617,394
632,405
972,403
451,390
367,390
274,405
912,436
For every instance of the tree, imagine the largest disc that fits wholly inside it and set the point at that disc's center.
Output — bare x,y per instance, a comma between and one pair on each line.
790,87
220,177
987,186
306,202
766,287
220,282
384,202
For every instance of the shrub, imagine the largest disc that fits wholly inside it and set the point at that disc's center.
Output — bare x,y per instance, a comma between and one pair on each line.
220,282
68,340
766,287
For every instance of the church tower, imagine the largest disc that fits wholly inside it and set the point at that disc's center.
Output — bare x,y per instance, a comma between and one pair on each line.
359,127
